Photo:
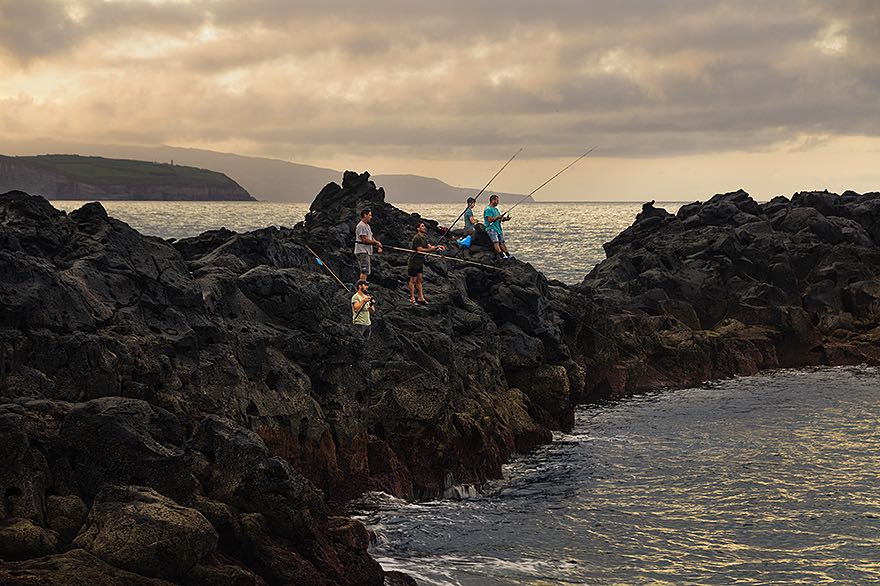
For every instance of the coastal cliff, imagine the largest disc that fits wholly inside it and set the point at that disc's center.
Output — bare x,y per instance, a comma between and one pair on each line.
77,177
214,389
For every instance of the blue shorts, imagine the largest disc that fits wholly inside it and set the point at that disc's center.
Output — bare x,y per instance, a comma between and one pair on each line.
495,236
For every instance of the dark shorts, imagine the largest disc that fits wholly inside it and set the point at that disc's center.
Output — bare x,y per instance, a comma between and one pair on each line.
415,271
367,330
363,260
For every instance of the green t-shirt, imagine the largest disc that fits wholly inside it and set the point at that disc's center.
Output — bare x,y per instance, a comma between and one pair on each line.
417,260
489,212
362,319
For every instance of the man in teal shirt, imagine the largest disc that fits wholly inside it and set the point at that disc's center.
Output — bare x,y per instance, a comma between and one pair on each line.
492,218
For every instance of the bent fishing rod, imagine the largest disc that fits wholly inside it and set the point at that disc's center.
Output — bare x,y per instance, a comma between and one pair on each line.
534,191
444,236
452,258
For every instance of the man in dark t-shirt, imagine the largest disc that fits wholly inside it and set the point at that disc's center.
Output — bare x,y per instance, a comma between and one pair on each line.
416,264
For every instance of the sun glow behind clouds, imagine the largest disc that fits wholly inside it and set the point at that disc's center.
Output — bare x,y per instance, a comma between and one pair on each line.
833,40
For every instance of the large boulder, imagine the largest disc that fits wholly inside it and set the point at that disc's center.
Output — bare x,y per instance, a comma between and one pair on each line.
137,529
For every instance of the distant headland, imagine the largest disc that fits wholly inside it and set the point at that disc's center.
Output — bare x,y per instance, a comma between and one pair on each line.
266,179
79,177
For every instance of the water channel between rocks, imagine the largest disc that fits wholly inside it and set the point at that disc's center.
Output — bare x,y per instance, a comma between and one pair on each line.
764,479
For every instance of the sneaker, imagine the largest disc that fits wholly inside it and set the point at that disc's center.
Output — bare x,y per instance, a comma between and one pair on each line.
423,302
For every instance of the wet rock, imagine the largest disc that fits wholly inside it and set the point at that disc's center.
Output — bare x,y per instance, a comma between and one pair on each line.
549,395
139,530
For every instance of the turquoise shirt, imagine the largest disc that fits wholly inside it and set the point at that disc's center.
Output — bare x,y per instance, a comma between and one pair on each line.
468,214
489,212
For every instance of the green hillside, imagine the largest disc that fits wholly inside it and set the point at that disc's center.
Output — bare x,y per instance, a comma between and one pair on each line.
101,171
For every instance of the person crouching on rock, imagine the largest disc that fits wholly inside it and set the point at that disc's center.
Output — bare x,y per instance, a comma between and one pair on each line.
493,218
362,308
416,265
363,248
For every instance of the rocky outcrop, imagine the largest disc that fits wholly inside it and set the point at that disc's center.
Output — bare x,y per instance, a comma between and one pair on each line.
217,381
731,286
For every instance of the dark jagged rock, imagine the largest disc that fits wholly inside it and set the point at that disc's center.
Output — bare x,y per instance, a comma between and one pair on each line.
748,285
222,371
118,441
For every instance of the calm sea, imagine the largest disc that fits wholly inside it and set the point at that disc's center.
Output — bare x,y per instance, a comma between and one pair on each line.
563,240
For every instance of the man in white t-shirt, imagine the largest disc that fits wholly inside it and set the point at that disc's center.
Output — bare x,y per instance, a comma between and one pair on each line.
364,243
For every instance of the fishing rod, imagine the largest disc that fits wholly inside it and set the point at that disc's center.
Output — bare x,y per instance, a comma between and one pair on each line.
323,264
461,260
548,181
478,195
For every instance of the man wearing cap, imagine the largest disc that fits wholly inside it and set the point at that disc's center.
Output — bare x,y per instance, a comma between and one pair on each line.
362,308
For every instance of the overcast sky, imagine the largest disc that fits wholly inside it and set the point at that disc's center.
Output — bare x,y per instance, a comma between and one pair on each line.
684,98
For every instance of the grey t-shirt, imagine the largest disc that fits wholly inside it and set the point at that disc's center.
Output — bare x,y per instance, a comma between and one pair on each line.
363,229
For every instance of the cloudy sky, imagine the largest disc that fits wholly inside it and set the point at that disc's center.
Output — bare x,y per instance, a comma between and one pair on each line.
684,98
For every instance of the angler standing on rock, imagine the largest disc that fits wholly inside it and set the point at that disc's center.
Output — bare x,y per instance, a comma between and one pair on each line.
363,248
416,265
362,308
493,218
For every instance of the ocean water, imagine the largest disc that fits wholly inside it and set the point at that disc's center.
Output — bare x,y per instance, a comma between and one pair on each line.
770,479
563,240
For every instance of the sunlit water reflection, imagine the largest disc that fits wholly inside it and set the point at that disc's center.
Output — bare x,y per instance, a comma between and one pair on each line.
563,240
769,479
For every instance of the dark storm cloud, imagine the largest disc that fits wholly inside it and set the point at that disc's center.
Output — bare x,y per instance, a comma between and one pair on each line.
426,78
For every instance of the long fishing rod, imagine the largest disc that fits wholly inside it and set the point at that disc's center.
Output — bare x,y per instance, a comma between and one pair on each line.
444,236
534,191
461,260
326,266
